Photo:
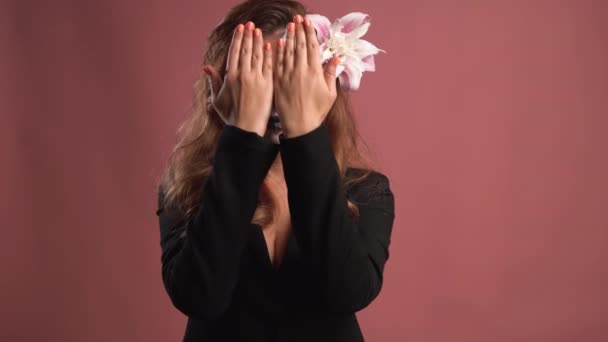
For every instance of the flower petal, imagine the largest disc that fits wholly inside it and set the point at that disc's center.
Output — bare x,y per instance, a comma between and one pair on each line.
359,32
344,81
351,21
369,64
353,69
363,48
326,54
321,25
339,69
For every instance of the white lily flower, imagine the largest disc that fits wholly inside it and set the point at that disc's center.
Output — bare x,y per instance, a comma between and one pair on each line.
342,38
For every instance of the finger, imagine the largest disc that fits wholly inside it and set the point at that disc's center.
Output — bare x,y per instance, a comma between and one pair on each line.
288,60
301,56
330,74
267,65
215,80
246,46
314,54
257,57
278,66
235,48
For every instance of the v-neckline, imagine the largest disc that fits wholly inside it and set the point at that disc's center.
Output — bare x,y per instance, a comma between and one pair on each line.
263,253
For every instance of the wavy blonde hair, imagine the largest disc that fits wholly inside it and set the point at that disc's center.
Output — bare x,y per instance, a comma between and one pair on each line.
189,163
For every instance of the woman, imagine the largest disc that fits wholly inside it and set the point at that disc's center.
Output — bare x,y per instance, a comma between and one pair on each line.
272,228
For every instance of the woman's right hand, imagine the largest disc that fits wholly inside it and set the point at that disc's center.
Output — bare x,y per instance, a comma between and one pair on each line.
244,97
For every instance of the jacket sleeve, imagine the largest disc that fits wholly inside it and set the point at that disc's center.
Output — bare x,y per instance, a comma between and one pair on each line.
346,257
201,255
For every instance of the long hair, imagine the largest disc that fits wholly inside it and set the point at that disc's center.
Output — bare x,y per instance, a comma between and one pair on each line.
190,161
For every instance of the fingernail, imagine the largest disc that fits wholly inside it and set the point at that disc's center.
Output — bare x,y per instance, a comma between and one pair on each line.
291,27
307,22
240,27
281,42
250,25
337,60
267,46
298,18
258,32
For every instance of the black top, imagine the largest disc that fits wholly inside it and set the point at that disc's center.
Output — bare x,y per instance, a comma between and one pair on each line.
216,268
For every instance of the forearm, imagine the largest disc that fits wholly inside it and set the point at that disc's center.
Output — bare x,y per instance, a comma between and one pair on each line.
200,267
345,255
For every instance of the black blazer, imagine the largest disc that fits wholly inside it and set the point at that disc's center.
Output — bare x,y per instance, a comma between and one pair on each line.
216,268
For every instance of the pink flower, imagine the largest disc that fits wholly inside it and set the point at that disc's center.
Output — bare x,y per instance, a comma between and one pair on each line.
342,38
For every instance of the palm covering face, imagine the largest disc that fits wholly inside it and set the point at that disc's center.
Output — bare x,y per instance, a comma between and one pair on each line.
244,97
301,90
304,90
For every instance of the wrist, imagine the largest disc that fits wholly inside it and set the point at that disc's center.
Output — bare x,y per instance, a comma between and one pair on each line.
249,126
295,129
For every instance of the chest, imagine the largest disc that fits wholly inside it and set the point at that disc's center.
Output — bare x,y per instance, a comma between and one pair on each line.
276,237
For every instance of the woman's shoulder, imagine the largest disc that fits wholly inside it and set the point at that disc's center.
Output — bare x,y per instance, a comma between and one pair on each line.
372,175
364,183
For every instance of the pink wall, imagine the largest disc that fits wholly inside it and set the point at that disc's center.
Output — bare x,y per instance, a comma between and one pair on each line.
488,116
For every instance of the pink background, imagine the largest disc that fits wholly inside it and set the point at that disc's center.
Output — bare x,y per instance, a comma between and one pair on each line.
488,116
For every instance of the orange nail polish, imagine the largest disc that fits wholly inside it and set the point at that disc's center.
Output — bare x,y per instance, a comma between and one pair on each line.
336,60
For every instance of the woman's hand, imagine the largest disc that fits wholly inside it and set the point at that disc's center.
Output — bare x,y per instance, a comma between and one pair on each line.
304,90
244,98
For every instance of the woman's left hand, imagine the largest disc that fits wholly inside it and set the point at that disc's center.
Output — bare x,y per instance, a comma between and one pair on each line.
304,90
